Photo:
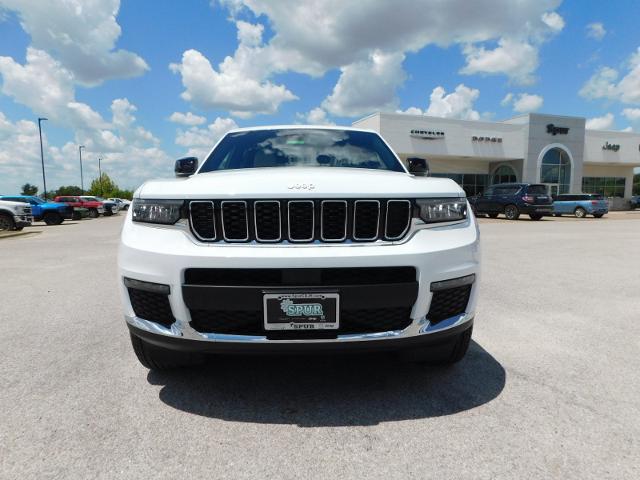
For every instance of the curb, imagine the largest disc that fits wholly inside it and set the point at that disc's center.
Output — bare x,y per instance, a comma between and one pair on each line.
17,234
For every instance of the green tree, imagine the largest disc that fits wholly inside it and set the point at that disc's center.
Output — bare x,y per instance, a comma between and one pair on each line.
69,190
28,189
102,186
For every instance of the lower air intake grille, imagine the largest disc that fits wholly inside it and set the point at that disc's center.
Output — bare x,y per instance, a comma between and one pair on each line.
151,306
449,302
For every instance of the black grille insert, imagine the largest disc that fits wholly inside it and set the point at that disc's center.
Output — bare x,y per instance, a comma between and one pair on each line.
366,219
234,221
449,302
151,306
397,218
301,220
334,220
267,221
202,217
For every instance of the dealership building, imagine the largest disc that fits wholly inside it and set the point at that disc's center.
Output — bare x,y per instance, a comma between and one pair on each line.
536,148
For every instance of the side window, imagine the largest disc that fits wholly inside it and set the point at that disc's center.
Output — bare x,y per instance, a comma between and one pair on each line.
489,192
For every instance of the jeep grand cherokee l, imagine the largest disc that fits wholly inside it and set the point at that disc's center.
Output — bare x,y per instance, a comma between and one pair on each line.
298,239
514,199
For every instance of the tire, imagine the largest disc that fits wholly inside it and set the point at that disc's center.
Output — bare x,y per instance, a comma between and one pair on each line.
93,213
447,354
493,215
157,358
598,215
6,223
580,212
535,216
53,218
19,229
557,214
511,212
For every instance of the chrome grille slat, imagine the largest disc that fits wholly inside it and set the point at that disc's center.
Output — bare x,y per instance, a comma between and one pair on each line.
273,220
363,219
297,208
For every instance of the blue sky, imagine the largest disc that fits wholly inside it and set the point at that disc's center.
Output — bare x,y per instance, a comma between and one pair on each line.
140,83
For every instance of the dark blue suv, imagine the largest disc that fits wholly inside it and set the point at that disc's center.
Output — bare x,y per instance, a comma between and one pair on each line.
514,199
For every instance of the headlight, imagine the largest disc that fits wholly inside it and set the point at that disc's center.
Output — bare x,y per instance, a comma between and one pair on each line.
166,212
434,210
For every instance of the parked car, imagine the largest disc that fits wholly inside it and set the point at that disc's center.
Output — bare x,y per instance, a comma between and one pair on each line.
14,215
52,213
514,199
635,202
299,239
95,208
110,208
580,205
123,203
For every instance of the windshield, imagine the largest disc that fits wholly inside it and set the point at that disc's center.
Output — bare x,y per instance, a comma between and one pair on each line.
91,199
36,200
301,148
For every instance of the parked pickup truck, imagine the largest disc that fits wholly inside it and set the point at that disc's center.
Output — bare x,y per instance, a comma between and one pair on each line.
14,215
95,208
51,213
123,204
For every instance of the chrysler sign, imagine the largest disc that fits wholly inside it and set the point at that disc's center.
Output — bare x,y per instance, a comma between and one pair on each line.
427,134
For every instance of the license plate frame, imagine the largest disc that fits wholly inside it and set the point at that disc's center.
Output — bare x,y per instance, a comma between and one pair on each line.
298,311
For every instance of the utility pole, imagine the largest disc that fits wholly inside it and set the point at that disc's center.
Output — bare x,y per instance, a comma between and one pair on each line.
80,147
100,175
44,179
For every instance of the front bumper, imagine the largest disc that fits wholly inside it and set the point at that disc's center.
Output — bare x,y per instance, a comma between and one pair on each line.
162,255
22,220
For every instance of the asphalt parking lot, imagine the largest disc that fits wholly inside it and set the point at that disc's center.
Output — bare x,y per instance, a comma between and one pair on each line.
549,389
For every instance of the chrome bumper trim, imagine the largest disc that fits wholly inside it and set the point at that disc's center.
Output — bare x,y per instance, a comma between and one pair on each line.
418,327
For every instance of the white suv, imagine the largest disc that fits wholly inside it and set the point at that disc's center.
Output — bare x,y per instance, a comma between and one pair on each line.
299,239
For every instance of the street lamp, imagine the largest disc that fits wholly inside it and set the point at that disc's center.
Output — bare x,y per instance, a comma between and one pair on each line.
44,180
80,147
100,175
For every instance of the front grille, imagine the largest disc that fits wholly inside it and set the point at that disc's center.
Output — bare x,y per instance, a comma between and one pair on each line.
230,301
448,302
151,306
300,220
292,277
365,320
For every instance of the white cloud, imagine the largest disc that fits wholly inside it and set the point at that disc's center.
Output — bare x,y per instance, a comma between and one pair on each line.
516,59
229,88
367,86
199,141
632,114
457,104
627,129
315,116
604,84
523,102
596,31
187,118
604,122
553,20
81,35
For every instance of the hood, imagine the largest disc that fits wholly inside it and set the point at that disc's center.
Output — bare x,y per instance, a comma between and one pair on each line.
298,182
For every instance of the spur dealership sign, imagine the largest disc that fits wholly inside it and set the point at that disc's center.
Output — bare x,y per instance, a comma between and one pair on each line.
555,130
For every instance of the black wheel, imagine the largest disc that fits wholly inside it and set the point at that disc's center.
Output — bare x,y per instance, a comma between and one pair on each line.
535,216
93,213
598,215
446,354
493,215
157,358
107,212
557,214
19,229
53,218
511,212
580,212
6,222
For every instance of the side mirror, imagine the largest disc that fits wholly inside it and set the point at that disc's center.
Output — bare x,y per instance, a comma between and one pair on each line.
186,166
418,166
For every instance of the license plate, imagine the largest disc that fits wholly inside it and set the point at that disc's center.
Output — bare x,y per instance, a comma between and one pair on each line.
301,311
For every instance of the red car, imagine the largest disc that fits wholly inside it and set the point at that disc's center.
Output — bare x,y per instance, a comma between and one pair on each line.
95,208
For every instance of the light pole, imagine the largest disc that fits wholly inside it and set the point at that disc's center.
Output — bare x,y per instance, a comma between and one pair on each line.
100,174
44,180
80,147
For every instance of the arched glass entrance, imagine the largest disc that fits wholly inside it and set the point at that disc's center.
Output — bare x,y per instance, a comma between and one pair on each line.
555,171
504,174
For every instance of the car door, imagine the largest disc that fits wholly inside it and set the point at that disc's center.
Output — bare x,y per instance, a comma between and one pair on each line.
483,203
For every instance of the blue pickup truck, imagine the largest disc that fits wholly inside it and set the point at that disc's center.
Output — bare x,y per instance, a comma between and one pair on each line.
52,213
580,205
